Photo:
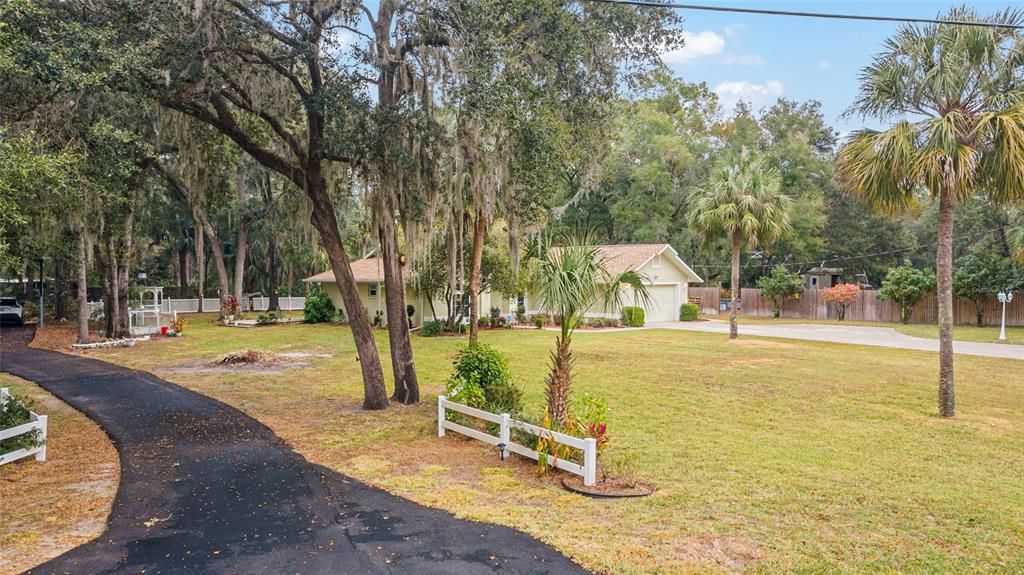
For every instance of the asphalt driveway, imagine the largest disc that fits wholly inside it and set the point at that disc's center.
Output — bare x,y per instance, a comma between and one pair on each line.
206,489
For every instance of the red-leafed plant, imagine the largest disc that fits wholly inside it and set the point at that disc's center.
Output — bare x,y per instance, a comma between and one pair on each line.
842,296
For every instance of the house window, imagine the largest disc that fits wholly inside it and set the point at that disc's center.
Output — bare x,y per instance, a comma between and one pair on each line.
657,261
814,281
373,289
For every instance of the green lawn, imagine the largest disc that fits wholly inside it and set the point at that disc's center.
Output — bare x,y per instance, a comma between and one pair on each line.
770,456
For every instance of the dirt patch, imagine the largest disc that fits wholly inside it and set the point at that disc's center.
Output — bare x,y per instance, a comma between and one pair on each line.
53,506
250,361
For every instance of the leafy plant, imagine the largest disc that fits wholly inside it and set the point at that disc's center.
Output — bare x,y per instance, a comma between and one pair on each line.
540,320
178,324
432,328
318,308
481,376
495,314
378,319
633,316
268,318
906,286
842,296
484,322
14,413
779,286
689,312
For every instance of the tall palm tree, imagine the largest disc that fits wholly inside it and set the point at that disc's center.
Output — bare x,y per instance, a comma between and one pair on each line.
570,280
742,201
957,98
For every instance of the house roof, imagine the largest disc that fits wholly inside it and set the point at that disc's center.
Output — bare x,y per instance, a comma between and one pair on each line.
624,257
366,270
619,258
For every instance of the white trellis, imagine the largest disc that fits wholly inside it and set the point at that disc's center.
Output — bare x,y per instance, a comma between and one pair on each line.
36,422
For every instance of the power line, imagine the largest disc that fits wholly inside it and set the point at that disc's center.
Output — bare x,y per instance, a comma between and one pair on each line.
832,16
877,254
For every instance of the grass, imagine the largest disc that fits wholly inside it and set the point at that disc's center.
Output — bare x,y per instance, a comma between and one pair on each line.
770,456
48,508
961,332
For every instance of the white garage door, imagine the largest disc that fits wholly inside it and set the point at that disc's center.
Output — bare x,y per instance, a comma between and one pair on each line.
663,303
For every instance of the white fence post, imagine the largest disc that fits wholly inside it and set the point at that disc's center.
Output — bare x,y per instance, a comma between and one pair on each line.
41,454
589,461
440,415
505,435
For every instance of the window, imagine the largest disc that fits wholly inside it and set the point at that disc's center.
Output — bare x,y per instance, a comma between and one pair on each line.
657,261
814,281
373,290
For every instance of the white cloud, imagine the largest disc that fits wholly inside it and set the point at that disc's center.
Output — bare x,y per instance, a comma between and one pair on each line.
731,92
699,45
734,29
743,59
824,65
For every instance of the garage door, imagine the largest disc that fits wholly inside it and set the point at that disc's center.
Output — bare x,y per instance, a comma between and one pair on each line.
663,303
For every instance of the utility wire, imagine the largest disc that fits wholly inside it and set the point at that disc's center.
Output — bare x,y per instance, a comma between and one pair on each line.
821,262
832,16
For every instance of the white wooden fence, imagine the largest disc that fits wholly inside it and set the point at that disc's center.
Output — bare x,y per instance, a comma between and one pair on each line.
35,422
191,305
588,471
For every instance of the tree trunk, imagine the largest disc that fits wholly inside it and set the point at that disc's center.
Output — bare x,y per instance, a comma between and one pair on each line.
324,220
479,231
735,285
200,260
944,284
241,247
83,289
979,312
559,382
275,304
183,271
407,388
60,289
217,249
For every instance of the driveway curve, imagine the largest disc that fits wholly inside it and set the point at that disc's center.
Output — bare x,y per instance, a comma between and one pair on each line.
850,334
206,489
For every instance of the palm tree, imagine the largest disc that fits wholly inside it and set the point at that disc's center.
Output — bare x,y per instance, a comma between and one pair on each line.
743,202
961,87
570,280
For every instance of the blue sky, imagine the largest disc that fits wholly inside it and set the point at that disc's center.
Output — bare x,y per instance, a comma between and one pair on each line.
759,58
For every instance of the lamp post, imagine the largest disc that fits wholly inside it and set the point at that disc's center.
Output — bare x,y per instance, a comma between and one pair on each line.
1005,297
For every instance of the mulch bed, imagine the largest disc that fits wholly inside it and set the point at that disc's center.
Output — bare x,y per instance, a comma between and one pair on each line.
610,487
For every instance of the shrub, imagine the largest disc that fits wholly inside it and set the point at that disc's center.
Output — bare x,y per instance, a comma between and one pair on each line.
600,322
906,286
178,324
540,320
432,328
689,312
482,379
842,296
14,413
633,316
780,286
378,319
410,311
267,318
318,308
483,322
520,313
495,314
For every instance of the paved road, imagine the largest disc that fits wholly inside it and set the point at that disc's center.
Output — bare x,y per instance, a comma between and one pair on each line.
206,489
852,334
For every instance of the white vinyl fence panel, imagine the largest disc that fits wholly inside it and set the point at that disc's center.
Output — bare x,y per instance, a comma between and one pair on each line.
191,305
36,422
588,470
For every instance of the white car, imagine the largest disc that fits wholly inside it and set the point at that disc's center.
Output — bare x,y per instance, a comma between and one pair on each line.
11,311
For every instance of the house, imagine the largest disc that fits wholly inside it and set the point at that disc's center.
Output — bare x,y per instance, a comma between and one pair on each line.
668,274
822,278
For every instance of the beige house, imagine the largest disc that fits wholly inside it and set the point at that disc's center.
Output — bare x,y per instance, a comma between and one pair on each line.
668,274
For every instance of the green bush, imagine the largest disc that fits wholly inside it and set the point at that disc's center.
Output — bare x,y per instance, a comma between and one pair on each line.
432,328
540,320
484,322
689,312
495,314
14,413
268,318
482,379
318,308
633,316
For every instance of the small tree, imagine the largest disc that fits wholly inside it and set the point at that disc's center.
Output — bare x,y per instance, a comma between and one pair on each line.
842,296
906,286
780,286
979,273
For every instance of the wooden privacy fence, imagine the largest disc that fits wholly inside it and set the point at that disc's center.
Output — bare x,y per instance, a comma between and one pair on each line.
588,470
868,307
710,298
36,422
